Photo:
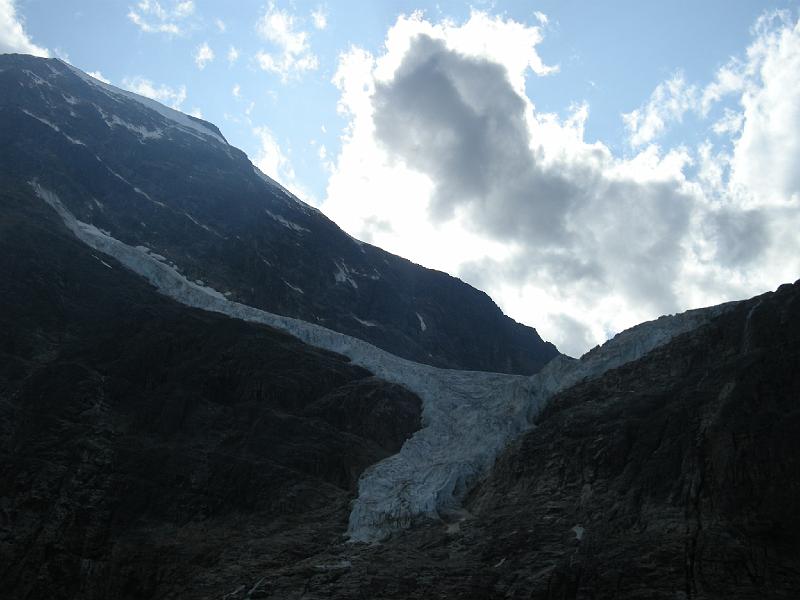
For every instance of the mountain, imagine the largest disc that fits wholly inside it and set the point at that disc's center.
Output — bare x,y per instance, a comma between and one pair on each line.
152,450
162,437
170,183
142,442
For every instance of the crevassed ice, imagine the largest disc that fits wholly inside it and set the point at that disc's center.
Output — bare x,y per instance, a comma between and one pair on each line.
469,417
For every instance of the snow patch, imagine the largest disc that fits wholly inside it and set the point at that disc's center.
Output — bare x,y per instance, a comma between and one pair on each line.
103,262
286,222
54,127
35,79
365,323
294,287
203,226
342,275
177,119
129,184
578,531
469,417
143,133
422,325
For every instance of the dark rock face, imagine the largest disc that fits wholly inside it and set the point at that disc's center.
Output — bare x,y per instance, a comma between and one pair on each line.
682,471
676,476
187,195
148,450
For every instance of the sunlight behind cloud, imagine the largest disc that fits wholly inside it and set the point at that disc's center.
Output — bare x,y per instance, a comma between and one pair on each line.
446,161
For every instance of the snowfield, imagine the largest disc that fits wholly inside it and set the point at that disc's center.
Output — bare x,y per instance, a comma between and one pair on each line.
469,417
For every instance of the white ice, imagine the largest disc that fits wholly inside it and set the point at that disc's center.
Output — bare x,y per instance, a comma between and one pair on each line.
286,222
342,275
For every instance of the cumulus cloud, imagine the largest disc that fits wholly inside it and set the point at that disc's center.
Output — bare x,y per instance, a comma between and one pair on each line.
99,76
203,55
291,52
320,18
13,37
233,55
150,16
668,103
173,97
446,161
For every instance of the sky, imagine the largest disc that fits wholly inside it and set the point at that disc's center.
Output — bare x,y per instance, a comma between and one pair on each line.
590,165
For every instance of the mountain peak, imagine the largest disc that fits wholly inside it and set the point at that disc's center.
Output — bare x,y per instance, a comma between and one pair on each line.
158,179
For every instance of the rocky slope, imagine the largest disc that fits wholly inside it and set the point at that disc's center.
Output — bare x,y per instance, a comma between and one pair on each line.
153,177
674,476
145,446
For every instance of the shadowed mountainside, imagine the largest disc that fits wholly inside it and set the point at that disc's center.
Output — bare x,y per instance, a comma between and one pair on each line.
157,178
144,444
674,476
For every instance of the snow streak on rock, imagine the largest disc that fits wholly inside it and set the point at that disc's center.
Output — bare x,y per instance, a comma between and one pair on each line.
469,417
176,118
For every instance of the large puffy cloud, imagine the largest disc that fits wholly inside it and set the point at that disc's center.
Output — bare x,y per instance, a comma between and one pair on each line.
765,159
13,37
446,161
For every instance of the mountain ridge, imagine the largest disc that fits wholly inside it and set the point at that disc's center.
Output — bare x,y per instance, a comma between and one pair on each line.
151,181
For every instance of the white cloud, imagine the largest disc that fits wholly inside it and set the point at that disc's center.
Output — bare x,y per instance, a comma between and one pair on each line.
220,25
99,76
233,55
173,97
236,91
203,55
320,18
13,37
274,162
668,103
541,17
196,112
150,16
767,152
445,161
291,53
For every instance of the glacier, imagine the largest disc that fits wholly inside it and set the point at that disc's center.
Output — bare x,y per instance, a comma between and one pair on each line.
468,417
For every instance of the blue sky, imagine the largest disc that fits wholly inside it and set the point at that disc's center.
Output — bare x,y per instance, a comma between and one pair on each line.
610,55
615,161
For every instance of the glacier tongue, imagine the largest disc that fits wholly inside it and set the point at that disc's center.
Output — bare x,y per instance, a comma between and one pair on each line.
469,417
